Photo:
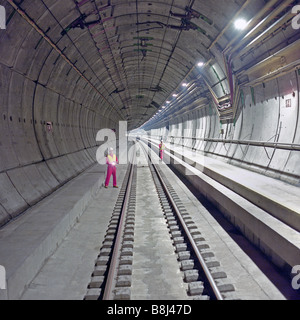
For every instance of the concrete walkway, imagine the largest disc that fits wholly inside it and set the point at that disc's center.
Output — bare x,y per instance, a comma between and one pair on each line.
66,274
27,243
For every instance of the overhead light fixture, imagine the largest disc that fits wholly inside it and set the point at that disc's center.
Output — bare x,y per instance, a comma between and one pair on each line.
168,102
184,84
200,64
240,24
175,95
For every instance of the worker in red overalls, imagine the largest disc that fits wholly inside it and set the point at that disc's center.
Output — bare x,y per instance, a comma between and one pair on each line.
161,150
111,161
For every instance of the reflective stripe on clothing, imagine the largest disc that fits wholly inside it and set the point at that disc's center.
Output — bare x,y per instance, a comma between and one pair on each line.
112,159
161,147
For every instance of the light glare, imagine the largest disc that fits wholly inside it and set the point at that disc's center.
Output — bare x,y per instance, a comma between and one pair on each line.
240,24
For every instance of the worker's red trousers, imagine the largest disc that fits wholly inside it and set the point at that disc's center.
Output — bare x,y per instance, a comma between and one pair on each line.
161,154
111,170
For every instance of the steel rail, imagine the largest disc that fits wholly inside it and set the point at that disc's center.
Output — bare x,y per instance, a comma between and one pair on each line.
107,295
54,46
207,273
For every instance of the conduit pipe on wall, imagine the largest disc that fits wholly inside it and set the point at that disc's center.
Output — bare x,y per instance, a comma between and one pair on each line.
229,24
267,34
262,25
266,144
252,23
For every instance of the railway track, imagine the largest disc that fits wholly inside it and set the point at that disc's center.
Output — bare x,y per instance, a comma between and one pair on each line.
197,274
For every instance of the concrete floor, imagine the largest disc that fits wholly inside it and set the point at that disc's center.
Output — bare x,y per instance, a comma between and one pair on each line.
238,259
156,272
67,272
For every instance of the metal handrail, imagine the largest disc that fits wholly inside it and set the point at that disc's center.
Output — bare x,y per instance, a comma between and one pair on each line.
277,145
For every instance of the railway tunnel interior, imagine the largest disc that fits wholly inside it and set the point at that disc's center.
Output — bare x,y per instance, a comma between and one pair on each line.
221,77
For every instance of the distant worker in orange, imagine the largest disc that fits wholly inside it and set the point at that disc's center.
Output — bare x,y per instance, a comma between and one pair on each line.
161,150
111,161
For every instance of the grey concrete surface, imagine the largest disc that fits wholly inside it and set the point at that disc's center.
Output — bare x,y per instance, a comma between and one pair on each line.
252,280
156,272
29,240
268,113
67,272
89,79
276,239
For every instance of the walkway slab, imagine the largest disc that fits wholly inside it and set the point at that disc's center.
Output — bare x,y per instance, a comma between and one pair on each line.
27,242
63,278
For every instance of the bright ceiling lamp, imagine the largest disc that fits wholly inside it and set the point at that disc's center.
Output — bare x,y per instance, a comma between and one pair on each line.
184,84
200,64
240,24
175,95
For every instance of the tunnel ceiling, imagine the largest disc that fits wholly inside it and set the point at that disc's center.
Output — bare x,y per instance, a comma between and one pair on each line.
120,58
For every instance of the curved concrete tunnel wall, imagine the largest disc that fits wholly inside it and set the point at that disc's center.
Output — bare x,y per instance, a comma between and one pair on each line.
263,117
38,86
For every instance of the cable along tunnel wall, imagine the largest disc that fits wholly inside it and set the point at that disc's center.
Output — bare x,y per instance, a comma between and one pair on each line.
270,116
